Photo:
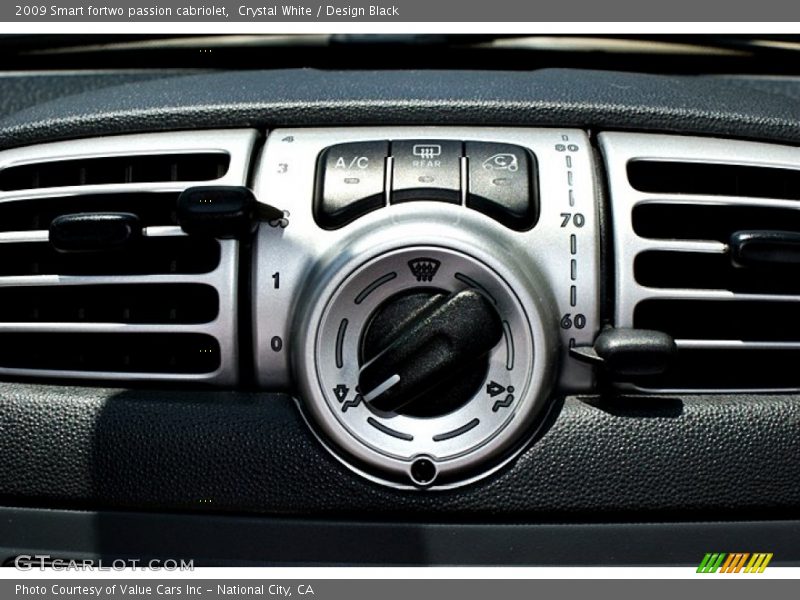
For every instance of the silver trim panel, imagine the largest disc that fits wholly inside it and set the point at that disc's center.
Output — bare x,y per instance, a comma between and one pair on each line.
42,235
737,345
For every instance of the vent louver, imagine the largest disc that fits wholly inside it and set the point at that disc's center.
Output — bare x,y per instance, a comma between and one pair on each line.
119,169
676,201
162,309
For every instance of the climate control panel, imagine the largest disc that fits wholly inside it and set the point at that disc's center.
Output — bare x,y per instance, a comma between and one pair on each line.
422,290
355,178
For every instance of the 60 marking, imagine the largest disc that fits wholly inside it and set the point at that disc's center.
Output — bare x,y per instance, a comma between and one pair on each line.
578,321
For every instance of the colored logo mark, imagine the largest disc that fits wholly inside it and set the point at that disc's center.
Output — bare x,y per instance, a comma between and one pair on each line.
735,562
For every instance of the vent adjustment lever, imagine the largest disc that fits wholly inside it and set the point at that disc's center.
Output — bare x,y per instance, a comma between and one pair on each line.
94,232
627,353
222,211
764,247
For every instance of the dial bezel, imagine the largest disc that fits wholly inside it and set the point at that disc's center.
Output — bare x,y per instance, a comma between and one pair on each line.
354,303
526,305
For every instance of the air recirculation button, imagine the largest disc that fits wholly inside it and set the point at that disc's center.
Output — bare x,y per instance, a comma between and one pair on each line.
502,183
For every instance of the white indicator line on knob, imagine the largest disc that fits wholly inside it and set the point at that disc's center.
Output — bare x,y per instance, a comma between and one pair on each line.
392,381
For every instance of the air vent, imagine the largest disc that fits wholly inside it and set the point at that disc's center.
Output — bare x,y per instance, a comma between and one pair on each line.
118,169
676,203
153,209
153,255
163,308
111,303
713,179
157,353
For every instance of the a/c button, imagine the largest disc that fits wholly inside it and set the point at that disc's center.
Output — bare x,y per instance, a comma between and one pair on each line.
350,182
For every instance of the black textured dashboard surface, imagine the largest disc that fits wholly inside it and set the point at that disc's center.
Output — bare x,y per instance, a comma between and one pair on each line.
699,457
297,97
26,89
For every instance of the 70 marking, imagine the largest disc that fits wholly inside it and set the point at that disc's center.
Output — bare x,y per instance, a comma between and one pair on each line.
577,219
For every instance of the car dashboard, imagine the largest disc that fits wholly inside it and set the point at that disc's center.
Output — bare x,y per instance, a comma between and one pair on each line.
399,316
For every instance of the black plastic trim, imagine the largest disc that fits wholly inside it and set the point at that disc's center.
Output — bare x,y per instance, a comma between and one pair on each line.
235,541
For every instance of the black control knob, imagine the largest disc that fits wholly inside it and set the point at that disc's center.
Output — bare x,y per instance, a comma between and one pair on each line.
427,353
